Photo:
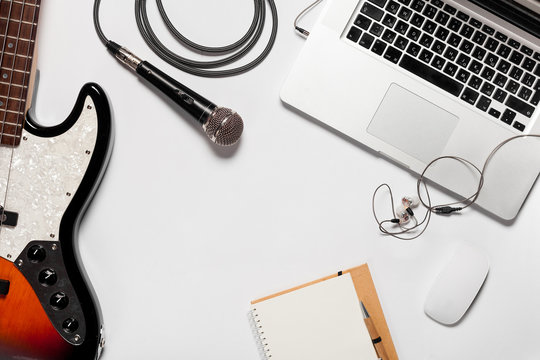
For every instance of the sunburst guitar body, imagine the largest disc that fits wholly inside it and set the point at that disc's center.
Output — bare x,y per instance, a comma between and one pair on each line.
48,176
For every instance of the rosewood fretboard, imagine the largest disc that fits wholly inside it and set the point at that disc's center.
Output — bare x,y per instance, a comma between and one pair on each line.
18,25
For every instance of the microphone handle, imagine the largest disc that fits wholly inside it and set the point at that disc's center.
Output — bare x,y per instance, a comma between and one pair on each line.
196,105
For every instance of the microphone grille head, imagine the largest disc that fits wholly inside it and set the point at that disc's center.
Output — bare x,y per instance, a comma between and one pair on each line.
224,127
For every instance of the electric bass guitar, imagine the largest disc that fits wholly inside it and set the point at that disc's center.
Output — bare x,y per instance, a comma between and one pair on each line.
47,177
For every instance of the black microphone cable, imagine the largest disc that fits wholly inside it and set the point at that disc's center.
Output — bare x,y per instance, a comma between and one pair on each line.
237,50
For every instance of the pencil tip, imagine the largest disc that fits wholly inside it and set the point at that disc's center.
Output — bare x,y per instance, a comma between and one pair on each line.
364,310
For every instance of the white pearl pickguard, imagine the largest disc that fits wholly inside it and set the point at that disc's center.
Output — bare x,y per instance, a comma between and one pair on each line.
41,176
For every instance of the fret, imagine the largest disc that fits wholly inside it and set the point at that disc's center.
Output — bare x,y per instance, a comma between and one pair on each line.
14,78
13,91
13,11
17,46
18,71
9,129
12,104
10,140
16,62
16,28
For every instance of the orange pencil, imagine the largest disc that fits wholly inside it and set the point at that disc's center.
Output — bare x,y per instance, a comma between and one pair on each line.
374,334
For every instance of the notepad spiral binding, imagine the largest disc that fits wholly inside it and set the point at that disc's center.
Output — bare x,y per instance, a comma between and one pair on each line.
258,333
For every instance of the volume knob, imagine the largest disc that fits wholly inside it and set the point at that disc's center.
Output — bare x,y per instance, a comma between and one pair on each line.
59,301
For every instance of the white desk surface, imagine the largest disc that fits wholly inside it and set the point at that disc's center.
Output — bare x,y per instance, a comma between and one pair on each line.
182,235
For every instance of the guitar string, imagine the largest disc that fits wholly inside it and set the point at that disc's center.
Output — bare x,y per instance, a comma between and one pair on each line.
19,117
7,99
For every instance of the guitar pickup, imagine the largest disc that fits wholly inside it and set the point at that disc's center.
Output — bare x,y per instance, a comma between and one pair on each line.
8,218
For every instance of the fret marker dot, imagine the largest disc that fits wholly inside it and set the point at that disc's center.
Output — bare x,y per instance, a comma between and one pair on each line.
5,76
10,45
1,103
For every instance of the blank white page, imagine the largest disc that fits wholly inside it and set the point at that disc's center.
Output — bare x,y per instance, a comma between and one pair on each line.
322,321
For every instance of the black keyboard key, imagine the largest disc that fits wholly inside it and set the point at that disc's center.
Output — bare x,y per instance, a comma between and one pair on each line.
376,29
417,20
392,7
488,73
503,66
438,3
528,64
405,2
520,106
500,80
500,95
504,51
492,44
413,49
442,33
487,89
438,62
451,53
418,5
389,20
501,36
450,9
378,47
508,116
512,86
362,22
519,126
479,53
525,93
454,24
491,59
475,82
401,27
431,75
462,16
476,23
405,13
494,113
450,69
475,67
413,33
516,73
470,96
354,34
425,56
438,47
379,2
429,27
389,36
513,43
537,71
536,98
430,11
526,50
463,60
467,31
366,40
454,40
516,57
426,40
479,37
463,75
483,103
372,11
536,56
466,46
488,29
392,54
537,86
401,42
442,18
528,80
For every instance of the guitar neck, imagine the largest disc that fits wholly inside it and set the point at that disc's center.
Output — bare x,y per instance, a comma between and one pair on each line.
18,26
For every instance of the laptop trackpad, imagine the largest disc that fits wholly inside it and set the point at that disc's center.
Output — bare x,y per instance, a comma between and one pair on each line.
412,124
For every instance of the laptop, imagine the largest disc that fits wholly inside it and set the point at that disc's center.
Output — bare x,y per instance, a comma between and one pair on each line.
418,79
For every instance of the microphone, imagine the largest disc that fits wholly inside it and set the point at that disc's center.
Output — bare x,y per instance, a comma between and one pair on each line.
222,125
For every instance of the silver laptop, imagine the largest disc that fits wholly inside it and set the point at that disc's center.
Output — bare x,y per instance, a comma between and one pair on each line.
418,79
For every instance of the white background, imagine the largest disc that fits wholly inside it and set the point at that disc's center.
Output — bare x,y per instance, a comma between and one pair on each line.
182,234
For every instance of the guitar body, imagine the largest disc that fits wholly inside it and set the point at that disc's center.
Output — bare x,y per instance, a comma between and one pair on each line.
47,307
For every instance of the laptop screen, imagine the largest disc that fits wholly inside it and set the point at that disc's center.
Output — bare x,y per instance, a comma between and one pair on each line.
524,14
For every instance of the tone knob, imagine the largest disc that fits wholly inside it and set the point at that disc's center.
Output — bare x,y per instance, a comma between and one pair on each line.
59,301
36,254
70,325
47,277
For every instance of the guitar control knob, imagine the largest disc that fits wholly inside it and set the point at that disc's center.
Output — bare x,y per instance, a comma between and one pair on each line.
70,325
47,277
36,254
59,301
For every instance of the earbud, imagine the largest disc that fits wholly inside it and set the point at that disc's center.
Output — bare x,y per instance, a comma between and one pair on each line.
404,211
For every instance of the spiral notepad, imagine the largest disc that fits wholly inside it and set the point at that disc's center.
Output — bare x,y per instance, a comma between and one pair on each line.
320,321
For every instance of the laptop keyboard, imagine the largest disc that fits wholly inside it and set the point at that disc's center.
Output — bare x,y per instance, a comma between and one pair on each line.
451,49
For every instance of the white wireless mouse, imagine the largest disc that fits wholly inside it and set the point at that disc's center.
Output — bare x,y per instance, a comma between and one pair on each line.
456,286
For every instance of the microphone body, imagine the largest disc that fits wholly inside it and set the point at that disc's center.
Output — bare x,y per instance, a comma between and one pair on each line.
223,126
